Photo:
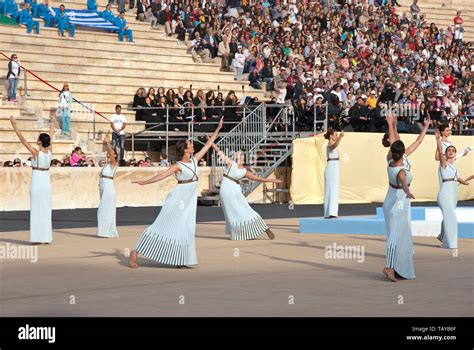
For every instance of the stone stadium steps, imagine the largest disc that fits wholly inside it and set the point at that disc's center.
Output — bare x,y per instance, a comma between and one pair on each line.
111,64
442,12
102,72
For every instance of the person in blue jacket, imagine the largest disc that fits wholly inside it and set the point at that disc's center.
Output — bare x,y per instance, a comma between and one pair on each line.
11,8
91,5
44,12
107,13
26,18
121,22
33,6
62,22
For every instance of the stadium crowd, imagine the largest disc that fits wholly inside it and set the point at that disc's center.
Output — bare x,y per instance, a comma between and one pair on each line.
351,54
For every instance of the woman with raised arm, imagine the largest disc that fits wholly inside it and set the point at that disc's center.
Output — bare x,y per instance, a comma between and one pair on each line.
392,136
241,221
106,213
397,206
170,240
445,132
448,193
41,230
331,174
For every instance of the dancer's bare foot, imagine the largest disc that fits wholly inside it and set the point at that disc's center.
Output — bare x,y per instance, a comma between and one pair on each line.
270,234
390,273
133,259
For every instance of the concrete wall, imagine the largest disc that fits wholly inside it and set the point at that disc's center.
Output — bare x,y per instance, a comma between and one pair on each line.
79,187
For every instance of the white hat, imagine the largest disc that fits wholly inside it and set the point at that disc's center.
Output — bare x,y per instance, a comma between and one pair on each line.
364,96
373,92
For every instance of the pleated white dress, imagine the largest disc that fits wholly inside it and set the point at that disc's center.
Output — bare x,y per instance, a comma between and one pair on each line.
170,240
331,183
447,201
241,221
41,228
397,213
106,213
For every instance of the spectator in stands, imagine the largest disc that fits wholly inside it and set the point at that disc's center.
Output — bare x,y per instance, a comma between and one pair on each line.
63,22
358,115
150,18
118,124
26,19
198,49
10,8
91,5
415,10
33,7
224,53
13,77
211,42
56,163
239,62
141,9
17,163
163,160
458,19
64,109
121,23
45,12
107,14
121,6
77,157
139,101
166,18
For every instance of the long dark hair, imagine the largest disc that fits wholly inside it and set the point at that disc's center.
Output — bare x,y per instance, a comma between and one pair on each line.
181,146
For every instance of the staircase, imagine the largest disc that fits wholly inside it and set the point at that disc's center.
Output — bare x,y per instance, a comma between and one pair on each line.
101,72
265,140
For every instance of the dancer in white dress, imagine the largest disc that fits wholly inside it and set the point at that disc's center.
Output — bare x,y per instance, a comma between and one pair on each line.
397,206
41,231
106,213
170,240
331,174
241,221
448,193
445,132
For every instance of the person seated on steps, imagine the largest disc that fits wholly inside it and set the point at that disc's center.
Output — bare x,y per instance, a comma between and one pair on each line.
63,22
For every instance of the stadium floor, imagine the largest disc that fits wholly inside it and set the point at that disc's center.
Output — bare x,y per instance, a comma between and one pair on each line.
82,275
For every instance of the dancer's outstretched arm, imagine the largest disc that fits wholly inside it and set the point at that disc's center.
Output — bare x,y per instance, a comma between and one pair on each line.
392,128
402,177
253,177
469,178
221,154
110,152
22,138
209,142
442,160
161,176
333,146
419,139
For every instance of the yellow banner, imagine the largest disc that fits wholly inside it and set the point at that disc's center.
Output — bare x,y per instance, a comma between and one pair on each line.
363,168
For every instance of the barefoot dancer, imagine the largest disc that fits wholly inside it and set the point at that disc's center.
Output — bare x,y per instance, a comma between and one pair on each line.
396,206
448,193
41,231
106,213
170,240
331,174
241,221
